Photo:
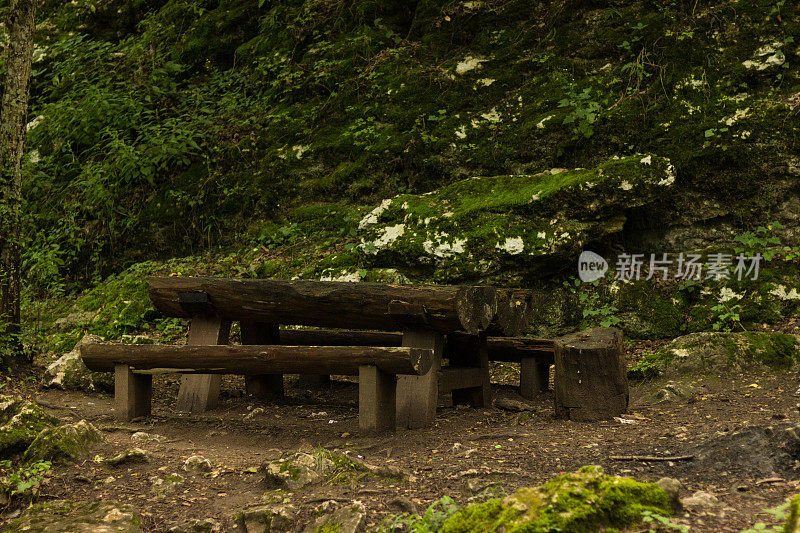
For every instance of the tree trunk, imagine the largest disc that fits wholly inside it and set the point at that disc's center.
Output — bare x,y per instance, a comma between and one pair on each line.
591,382
328,303
256,359
13,120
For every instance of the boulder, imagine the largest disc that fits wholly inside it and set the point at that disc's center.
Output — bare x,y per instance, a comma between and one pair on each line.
729,352
69,442
20,423
77,517
483,225
196,465
164,486
203,525
68,371
141,436
131,455
296,471
275,518
348,519
700,501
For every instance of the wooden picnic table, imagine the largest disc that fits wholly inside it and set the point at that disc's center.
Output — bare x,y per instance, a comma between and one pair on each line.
399,363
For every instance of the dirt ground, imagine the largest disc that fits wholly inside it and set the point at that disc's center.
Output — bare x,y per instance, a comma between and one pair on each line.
468,453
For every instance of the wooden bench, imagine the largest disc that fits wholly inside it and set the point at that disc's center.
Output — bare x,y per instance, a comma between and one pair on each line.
425,316
535,356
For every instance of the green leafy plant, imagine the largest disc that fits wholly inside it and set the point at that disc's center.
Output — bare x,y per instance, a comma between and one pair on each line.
762,240
726,317
662,522
25,480
583,111
780,513
430,522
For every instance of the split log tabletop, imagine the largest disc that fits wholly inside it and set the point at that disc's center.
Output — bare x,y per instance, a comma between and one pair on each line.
400,374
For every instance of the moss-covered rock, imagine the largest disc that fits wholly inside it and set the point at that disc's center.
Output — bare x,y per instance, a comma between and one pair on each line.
297,470
78,517
68,371
792,524
347,519
585,501
70,442
713,352
477,226
20,423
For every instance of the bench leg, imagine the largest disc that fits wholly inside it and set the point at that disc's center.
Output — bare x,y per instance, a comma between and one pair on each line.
480,396
262,385
200,392
132,393
376,399
534,377
417,395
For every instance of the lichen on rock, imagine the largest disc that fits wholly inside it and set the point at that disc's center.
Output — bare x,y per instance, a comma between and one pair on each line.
711,352
69,442
482,224
68,371
20,423
78,517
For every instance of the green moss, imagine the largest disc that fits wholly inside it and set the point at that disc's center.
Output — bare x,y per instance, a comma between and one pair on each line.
585,501
69,442
21,422
793,520
476,226
68,515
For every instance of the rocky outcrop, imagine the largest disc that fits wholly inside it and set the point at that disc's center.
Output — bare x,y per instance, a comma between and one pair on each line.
729,352
69,372
479,226
78,517
21,421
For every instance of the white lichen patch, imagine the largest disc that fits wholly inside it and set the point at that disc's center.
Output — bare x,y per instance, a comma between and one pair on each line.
646,160
469,63
461,132
492,115
390,234
781,292
485,82
440,248
342,275
299,150
512,246
766,56
626,185
372,216
692,82
541,123
726,294
34,156
737,116
670,176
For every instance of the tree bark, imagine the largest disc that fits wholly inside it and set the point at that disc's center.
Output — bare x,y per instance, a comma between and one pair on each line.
328,303
13,121
256,359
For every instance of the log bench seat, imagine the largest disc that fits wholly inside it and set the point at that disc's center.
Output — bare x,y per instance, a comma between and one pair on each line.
376,367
